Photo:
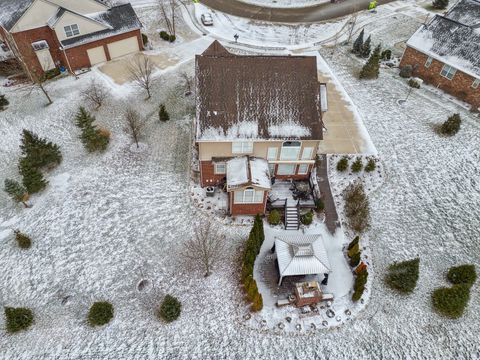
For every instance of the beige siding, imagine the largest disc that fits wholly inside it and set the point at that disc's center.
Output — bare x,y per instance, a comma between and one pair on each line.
81,6
36,16
96,55
207,150
123,47
85,25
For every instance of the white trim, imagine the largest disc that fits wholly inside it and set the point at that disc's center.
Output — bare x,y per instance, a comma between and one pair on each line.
215,167
246,147
428,62
254,192
475,83
272,157
304,157
71,30
282,169
97,39
447,69
306,169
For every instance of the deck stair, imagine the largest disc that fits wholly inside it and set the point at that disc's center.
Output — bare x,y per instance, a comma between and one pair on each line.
292,215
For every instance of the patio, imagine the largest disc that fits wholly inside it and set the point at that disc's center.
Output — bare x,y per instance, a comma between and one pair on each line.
290,193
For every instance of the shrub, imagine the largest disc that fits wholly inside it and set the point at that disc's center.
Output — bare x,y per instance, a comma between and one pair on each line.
164,35
353,242
93,138
451,302
319,205
274,217
357,208
144,39
307,218
18,319
360,281
371,165
172,38
440,4
357,165
414,84
355,259
100,313
462,274
50,74
170,308
23,241
39,152
257,303
371,69
406,71
342,164
403,276
16,191
451,126
3,102
386,54
32,178
353,250
163,114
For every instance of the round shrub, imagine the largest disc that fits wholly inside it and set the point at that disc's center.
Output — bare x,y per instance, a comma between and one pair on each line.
144,39
357,165
414,84
170,308
451,126
463,274
319,205
342,164
18,319
274,217
164,35
307,218
100,313
406,71
451,302
371,165
172,38
386,54
23,241
403,276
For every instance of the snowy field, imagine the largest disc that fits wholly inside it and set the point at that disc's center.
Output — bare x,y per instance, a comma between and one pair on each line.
108,221
285,3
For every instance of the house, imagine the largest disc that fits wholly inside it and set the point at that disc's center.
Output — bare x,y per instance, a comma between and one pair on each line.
446,52
74,34
257,118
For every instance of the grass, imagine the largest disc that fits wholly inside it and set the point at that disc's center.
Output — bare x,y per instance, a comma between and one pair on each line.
18,319
100,313
403,276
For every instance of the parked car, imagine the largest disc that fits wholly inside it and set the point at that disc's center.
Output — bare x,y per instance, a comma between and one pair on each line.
207,19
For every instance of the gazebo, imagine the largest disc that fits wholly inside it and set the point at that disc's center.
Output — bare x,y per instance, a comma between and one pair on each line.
299,254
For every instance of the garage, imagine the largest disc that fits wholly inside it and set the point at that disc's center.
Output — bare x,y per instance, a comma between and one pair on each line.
123,47
96,55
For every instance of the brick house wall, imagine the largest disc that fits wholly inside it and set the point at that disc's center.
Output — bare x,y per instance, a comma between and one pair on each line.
460,86
246,209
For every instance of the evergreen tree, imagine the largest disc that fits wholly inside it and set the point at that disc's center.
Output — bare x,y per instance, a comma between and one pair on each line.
16,191
32,178
440,4
3,102
92,138
357,45
38,151
366,48
372,68
163,114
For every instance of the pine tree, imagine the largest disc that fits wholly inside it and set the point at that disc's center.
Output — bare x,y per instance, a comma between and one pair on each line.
163,114
32,178
3,102
38,151
357,45
366,48
16,191
372,68
92,138
440,4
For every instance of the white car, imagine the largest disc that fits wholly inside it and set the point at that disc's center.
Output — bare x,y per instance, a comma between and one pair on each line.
207,19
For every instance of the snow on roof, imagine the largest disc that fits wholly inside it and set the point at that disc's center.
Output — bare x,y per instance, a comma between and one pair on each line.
256,97
301,255
248,171
118,19
466,12
11,11
451,42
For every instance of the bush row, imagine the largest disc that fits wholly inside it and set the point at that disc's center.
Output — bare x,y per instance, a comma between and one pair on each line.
167,37
357,165
361,273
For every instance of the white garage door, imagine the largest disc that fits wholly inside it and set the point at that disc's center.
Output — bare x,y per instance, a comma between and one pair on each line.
123,47
96,55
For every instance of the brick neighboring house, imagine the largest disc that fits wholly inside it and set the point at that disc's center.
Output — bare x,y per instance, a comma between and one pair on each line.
74,34
257,117
446,52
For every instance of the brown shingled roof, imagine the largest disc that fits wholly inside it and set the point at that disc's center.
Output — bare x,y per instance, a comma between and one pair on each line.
257,97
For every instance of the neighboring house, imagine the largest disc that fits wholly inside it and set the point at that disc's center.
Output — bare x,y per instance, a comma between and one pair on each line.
446,51
74,34
257,117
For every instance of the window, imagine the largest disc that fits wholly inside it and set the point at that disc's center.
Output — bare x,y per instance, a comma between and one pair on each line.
248,196
302,169
71,30
242,147
290,150
271,167
448,71
39,45
286,169
428,62
272,153
220,168
307,153
476,83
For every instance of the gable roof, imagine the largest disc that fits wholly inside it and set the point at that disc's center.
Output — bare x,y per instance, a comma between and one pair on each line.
11,11
256,97
248,171
451,41
118,19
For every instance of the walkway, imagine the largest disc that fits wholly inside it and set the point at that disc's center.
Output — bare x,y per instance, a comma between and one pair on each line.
331,216
308,14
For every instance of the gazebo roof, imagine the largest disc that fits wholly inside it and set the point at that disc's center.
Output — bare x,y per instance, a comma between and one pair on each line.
301,255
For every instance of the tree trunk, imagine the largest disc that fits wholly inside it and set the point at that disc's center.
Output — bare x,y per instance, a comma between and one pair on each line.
50,102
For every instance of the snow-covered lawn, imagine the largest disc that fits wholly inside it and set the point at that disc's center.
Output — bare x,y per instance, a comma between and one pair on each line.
286,3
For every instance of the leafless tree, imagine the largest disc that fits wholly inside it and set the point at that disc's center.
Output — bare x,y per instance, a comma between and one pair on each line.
167,11
187,83
205,248
352,22
135,124
141,69
95,94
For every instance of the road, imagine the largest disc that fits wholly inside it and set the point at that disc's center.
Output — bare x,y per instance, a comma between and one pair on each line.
309,14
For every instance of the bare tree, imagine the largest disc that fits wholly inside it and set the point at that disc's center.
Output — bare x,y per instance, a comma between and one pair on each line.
141,69
135,124
205,248
167,11
187,83
95,94
352,22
